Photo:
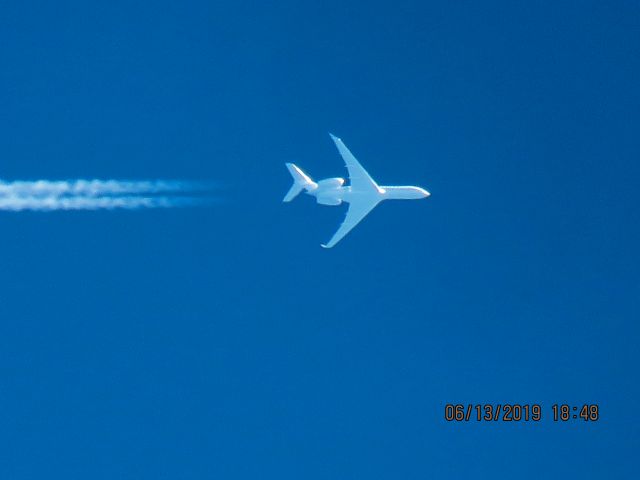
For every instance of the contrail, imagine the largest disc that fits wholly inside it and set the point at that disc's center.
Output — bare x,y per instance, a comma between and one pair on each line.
17,204
46,195
95,187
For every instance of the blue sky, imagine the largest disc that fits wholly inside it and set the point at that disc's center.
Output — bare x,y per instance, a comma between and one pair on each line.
223,341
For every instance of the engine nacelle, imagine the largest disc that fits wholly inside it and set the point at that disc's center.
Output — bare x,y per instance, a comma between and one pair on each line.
331,183
328,200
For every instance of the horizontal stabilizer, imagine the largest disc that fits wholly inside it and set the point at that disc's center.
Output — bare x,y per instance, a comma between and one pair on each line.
301,181
293,192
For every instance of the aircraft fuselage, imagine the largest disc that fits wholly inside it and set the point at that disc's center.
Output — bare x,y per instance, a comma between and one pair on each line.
333,193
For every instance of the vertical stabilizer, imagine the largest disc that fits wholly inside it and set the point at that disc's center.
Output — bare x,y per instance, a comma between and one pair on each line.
301,181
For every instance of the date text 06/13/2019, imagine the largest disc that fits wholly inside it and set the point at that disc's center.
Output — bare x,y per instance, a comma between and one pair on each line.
516,412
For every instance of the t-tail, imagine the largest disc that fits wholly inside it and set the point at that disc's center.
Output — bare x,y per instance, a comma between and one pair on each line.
301,181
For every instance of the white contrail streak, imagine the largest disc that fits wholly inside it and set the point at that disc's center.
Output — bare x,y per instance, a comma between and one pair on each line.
94,187
17,204
46,195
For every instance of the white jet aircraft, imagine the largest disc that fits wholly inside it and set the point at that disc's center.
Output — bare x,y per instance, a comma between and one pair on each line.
362,194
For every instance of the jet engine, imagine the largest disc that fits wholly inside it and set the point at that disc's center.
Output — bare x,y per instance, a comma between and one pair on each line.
328,199
331,183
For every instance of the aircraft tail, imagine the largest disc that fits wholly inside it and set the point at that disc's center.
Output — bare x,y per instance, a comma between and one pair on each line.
301,181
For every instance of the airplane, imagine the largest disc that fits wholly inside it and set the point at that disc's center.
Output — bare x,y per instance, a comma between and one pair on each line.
362,194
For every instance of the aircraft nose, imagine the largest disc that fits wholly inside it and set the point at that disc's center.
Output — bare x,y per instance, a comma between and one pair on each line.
425,194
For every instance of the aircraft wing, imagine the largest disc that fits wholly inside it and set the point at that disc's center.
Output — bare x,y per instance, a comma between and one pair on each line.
357,211
360,180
